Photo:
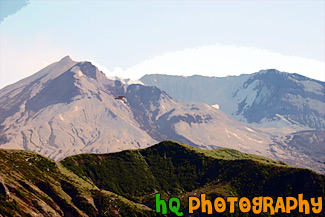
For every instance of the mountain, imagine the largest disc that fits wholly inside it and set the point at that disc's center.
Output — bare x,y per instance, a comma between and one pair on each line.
271,100
71,107
290,107
125,183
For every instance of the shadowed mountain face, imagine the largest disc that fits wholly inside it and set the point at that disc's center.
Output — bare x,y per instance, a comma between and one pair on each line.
59,90
125,183
267,99
71,107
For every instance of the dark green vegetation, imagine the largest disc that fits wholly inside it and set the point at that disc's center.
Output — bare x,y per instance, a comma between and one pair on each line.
31,185
125,183
174,169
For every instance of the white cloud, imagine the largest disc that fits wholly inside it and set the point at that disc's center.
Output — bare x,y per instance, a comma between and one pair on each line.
222,60
25,58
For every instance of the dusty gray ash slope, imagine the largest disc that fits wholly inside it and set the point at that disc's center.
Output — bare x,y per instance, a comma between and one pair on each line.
290,107
303,149
71,107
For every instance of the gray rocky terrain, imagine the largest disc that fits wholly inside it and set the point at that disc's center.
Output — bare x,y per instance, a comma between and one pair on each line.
71,107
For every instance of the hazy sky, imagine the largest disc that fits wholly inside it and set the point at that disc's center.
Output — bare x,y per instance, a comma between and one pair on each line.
132,38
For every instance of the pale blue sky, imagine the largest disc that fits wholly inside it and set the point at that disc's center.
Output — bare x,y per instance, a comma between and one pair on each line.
123,33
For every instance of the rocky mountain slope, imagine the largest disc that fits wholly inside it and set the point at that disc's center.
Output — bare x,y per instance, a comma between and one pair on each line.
125,183
269,99
290,107
71,107
303,149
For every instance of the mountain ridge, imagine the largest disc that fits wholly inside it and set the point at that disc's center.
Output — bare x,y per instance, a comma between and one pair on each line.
71,107
264,99
74,109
